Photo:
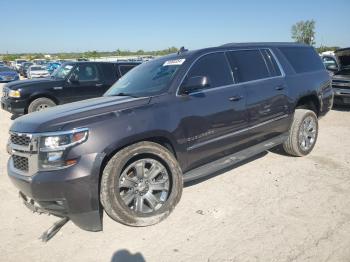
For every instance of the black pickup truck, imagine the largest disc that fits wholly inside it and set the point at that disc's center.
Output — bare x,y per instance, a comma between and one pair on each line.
170,120
72,82
341,77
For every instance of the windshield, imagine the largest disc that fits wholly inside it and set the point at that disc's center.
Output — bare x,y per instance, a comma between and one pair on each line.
149,78
36,68
20,61
62,72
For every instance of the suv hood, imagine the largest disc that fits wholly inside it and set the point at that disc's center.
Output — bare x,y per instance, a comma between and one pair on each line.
54,119
32,82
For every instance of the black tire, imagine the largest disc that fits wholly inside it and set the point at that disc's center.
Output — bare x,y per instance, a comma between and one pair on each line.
295,145
110,195
40,104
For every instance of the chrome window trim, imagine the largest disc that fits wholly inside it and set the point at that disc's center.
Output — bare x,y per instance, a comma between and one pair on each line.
200,144
233,84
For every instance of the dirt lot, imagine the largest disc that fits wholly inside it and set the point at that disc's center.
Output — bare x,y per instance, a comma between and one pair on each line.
274,208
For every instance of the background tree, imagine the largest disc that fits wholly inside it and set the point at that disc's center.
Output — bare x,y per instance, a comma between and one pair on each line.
304,32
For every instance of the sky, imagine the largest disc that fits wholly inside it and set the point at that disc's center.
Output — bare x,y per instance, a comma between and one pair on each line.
105,25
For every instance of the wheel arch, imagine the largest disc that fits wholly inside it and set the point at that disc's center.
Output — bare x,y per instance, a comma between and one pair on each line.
162,139
41,95
310,102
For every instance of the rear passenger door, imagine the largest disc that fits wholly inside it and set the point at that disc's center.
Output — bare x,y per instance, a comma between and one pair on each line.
110,76
263,80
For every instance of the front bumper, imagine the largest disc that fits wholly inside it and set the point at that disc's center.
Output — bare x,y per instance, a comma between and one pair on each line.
8,79
72,192
39,76
14,106
341,96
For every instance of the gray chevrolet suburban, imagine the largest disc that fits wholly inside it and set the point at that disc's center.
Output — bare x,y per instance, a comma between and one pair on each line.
174,119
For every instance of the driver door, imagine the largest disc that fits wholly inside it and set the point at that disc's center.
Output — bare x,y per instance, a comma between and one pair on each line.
84,83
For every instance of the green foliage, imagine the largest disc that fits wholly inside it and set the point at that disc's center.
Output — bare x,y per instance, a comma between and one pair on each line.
167,51
10,57
304,32
94,54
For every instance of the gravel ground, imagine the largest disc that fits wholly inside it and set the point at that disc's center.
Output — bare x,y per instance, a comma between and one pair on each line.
272,208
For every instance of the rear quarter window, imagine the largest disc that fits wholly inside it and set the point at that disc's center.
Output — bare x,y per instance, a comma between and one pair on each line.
302,59
109,72
123,69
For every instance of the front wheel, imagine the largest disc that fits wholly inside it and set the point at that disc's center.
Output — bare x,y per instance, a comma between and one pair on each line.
39,104
303,133
141,184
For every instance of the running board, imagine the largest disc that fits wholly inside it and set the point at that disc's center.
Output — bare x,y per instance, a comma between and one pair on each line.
235,158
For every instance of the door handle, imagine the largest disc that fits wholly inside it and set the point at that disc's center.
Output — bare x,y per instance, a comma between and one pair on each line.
235,98
99,85
278,88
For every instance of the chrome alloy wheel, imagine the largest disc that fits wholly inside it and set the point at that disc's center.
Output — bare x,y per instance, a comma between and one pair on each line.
144,185
307,133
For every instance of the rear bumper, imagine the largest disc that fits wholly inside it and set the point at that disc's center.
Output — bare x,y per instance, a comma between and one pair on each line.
341,96
72,192
14,106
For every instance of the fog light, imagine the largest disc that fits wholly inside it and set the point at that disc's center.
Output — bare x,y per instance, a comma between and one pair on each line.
54,156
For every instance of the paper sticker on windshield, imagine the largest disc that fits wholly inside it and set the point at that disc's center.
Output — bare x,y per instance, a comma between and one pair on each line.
174,62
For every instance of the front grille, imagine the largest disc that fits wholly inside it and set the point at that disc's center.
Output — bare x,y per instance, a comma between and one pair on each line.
22,140
5,92
344,84
20,163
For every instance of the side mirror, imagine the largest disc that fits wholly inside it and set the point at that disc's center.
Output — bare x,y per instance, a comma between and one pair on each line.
195,83
332,67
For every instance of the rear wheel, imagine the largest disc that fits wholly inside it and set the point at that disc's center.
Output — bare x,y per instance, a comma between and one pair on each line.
141,184
39,104
303,133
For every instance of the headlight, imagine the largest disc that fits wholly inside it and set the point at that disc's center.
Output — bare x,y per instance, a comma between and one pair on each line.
15,93
53,148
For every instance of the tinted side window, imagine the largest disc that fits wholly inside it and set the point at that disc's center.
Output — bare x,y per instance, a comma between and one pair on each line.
86,72
123,69
302,59
271,62
248,65
109,72
215,67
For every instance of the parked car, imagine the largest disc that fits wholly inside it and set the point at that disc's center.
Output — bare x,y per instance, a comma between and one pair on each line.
2,63
7,74
37,71
341,77
173,119
18,63
71,82
52,66
23,71
39,61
